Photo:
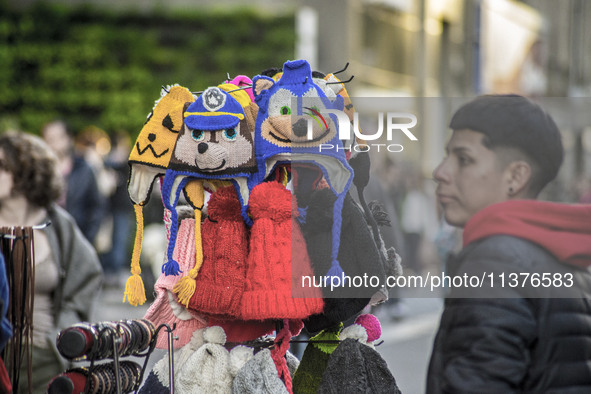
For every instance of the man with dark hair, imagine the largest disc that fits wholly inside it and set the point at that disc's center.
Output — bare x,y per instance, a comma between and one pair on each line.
526,325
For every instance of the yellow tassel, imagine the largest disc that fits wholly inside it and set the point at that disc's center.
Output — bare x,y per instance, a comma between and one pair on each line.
185,288
134,288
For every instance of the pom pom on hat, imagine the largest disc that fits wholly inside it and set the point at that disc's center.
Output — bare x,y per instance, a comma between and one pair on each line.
273,288
372,326
207,369
366,329
258,375
239,355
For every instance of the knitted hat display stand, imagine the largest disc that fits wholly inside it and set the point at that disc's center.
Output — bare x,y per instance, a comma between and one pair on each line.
270,208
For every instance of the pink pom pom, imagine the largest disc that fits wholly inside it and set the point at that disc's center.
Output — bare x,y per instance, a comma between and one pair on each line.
372,326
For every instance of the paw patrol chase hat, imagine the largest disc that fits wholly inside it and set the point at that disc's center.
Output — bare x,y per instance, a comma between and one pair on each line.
215,109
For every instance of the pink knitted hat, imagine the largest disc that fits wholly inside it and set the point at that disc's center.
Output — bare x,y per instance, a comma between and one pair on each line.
166,308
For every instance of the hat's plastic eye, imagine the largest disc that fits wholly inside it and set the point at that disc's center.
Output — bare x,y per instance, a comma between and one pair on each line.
285,110
198,135
230,134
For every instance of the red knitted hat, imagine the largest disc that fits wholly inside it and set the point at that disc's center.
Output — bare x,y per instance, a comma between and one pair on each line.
243,331
220,283
275,238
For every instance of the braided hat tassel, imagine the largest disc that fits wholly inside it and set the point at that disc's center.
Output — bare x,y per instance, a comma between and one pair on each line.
185,288
134,287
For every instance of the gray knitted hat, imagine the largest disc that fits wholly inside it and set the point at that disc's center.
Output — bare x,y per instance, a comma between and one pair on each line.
356,368
259,376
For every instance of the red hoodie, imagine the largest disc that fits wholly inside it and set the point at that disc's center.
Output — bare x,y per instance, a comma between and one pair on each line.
562,229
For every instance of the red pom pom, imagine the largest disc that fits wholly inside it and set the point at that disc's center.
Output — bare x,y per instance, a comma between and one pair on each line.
224,204
270,200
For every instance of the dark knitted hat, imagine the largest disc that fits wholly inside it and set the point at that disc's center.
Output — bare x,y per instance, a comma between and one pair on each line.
358,255
356,368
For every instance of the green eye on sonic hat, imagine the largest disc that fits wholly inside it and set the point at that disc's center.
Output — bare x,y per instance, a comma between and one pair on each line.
215,109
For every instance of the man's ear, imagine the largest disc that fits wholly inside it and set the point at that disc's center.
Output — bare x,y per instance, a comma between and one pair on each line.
520,174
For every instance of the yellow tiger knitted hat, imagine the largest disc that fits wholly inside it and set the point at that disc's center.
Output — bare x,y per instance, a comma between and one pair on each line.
149,159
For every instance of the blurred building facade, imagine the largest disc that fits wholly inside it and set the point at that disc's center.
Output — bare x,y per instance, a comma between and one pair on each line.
462,48
439,48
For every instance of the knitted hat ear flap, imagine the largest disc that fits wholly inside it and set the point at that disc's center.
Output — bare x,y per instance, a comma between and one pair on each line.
220,283
358,255
166,309
275,238
308,376
171,191
185,288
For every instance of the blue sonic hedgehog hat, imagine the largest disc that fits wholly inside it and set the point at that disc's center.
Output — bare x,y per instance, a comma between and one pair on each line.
294,125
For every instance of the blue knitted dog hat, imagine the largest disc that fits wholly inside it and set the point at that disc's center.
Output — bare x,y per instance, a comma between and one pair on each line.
283,134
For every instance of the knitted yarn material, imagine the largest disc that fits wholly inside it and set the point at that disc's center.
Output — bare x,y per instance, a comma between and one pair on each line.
358,255
354,368
220,283
281,134
241,330
258,376
372,326
308,376
148,159
272,290
165,308
207,371
215,143
157,381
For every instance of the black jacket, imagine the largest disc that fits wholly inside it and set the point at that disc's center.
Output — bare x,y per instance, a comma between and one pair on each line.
522,339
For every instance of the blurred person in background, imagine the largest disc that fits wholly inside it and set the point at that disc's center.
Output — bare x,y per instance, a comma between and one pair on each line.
120,211
385,186
68,275
517,335
419,223
82,197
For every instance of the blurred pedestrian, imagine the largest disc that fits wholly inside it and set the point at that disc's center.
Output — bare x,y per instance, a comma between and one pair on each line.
531,332
120,211
68,275
82,197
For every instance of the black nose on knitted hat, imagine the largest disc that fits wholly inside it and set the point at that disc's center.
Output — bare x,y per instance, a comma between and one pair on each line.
300,128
